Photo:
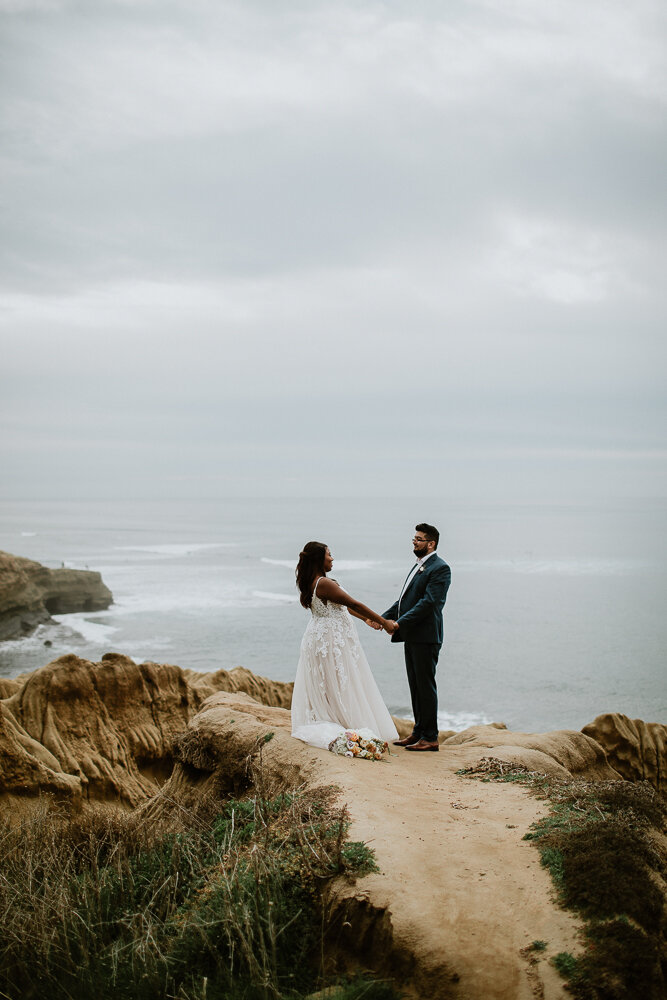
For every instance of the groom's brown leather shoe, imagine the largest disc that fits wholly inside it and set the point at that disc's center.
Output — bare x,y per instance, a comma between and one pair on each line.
408,741
423,745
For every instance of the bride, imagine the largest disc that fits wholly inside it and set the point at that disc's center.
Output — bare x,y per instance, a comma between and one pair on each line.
334,688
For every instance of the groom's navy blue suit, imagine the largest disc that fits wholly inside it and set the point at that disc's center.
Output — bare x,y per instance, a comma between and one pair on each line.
418,612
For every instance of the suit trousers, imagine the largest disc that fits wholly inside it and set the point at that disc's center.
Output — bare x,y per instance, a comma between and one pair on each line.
421,660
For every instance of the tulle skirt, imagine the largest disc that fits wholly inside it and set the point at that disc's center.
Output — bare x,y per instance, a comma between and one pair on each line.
334,688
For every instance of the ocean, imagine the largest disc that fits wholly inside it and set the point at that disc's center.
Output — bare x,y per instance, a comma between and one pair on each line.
556,612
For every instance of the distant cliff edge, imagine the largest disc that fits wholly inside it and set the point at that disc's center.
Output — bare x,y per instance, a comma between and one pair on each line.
30,593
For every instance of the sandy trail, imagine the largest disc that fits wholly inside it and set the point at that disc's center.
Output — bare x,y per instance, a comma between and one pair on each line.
460,895
465,892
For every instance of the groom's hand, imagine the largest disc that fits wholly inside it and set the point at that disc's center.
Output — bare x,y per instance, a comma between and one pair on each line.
390,626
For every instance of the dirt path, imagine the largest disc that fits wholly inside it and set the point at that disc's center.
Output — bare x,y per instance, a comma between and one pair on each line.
460,895
466,893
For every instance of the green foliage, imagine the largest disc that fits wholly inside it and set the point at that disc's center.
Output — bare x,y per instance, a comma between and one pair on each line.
608,871
538,945
566,964
620,961
97,906
359,857
363,988
552,859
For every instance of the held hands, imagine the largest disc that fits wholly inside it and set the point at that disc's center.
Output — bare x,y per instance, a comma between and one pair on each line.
388,626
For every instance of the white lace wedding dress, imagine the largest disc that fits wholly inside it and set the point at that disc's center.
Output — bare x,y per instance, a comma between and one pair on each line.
334,688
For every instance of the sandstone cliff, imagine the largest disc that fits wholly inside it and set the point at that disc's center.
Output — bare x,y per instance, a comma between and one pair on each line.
30,593
636,749
460,894
105,731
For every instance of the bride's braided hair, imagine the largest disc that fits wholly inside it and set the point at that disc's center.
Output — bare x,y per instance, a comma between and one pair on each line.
309,566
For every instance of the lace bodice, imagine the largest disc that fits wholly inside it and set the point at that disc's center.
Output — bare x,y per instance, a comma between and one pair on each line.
329,632
326,609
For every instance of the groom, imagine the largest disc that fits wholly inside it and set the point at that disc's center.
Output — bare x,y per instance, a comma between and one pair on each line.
418,624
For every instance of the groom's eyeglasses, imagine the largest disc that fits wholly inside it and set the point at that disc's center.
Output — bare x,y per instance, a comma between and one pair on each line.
415,539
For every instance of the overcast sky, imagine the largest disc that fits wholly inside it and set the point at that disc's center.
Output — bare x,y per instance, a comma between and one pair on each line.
324,247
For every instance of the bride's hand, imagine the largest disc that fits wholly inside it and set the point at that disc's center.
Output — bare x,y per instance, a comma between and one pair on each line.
373,624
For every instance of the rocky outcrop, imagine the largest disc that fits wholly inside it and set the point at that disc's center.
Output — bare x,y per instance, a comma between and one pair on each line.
278,693
30,593
116,731
636,749
109,726
106,731
171,742
212,758
8,687
562,753
28,768
21,605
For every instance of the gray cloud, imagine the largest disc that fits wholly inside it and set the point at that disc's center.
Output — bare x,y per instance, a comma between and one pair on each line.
268,238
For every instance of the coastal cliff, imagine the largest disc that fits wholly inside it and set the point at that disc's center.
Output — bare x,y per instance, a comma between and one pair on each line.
108,731
30,593
460,900
105,732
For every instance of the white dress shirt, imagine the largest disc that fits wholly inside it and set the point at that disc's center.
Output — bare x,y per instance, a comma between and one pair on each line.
411,576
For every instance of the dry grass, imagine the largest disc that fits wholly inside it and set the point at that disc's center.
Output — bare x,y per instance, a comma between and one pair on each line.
105,906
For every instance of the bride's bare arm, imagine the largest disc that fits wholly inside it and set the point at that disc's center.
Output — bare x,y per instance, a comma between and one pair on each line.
330,590
366,621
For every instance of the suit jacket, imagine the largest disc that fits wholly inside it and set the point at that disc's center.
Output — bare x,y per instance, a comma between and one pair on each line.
420,619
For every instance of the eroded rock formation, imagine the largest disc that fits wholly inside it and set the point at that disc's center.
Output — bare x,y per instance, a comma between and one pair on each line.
261,689
105,731
30,593
171,742
561,753
636,749
116,731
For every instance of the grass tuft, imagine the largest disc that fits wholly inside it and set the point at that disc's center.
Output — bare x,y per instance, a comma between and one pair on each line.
363,988
566,964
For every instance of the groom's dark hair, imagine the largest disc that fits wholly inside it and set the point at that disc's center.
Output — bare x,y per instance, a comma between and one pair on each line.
432,534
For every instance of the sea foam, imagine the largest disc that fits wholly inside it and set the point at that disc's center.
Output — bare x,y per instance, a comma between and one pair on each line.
175,549
267,595
95,632
458,721
340,564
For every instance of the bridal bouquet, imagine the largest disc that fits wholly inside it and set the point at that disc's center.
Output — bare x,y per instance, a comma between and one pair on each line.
361,743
